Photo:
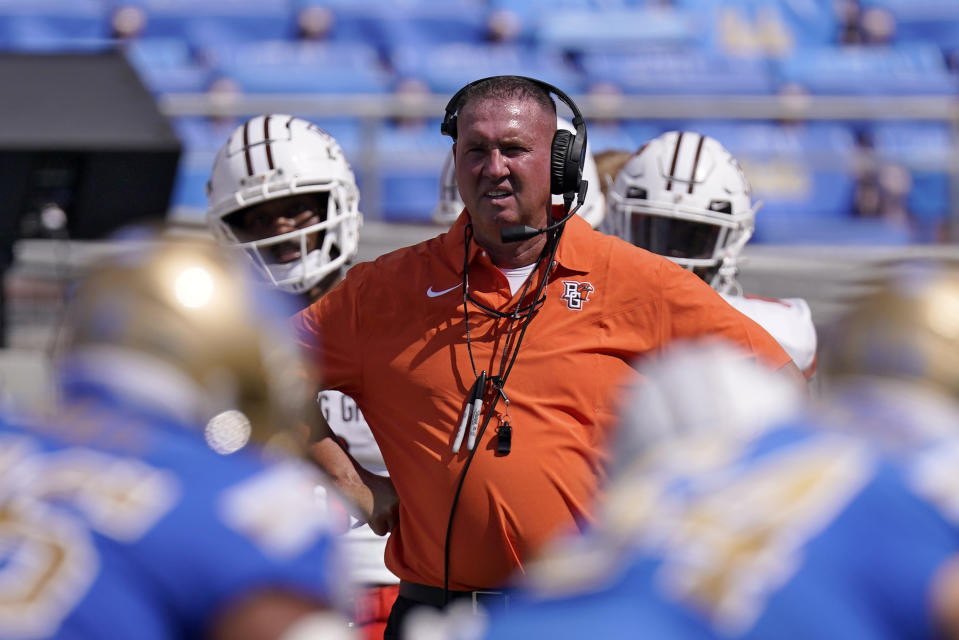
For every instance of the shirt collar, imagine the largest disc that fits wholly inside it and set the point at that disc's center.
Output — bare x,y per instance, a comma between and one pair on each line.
573,253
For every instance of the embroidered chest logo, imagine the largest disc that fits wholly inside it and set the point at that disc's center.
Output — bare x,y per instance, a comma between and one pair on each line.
576,293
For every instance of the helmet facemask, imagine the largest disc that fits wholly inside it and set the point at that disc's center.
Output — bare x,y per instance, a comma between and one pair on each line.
319,245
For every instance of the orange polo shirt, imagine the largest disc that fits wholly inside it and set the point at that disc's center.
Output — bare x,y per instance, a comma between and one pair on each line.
392,336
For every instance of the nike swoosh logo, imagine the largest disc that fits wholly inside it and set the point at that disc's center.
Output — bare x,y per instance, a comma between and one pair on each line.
433,294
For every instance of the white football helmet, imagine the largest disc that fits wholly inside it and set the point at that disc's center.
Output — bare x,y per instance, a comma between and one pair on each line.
277,156
450,204
684,196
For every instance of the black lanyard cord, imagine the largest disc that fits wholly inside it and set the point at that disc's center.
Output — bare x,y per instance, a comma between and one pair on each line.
524,312
456,499
510,352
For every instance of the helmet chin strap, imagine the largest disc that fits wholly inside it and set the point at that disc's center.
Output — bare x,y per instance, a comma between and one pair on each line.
296,276
726,282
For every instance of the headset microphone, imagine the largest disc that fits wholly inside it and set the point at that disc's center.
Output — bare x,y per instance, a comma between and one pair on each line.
523,232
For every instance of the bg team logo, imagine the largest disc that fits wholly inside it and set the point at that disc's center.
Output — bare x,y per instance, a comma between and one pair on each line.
576,293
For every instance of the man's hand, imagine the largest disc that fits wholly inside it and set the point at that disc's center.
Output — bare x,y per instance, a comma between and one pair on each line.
372,498
386,504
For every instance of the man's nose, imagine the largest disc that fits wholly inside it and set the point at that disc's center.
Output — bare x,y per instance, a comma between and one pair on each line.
496,165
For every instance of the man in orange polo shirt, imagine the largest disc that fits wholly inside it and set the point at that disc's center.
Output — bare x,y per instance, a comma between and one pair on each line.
489,370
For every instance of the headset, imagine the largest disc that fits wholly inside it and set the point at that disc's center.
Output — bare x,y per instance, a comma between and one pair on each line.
568,155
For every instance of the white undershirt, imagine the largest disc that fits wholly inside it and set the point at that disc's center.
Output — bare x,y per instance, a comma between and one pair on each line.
517,277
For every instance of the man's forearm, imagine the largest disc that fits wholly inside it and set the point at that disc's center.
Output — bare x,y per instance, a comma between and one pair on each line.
347,476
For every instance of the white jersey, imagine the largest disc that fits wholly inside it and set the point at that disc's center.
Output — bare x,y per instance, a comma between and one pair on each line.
788,320
365,547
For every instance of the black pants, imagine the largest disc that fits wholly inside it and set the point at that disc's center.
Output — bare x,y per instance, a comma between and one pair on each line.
398,613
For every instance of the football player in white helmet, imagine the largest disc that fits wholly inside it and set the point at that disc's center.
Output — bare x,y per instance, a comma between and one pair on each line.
684,196
282,190
450,205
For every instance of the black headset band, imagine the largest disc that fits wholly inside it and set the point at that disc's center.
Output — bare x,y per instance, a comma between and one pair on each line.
579,123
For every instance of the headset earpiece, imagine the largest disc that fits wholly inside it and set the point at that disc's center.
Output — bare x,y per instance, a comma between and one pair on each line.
562,146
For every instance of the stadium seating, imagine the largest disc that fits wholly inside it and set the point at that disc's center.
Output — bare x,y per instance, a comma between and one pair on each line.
762,28
446,68
167,65
411,158
909,69
214,22
684,72
626,30
803,173
925,149
407,22
52,25
690,49
283,66
928,21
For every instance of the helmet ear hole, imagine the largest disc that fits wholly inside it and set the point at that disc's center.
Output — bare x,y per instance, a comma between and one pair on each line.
721,206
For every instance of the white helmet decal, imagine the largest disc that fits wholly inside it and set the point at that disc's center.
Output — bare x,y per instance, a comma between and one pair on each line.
276,156
684,196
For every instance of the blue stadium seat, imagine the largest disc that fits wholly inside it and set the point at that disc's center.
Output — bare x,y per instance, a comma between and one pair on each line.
523,16
446,68
198,133
211,22
805,176
166,65
629,29
532,10
189,188
301,67
53,24
931,21
763,28
679,73
804,172
411,159
901,70
772,228
604,136
645,130
405,22
925,149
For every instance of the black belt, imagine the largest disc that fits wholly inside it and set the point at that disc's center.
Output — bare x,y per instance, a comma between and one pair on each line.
434,596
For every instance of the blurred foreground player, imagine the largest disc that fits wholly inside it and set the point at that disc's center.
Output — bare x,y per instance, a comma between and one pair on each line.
729,506
282,192
165,498
684,196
